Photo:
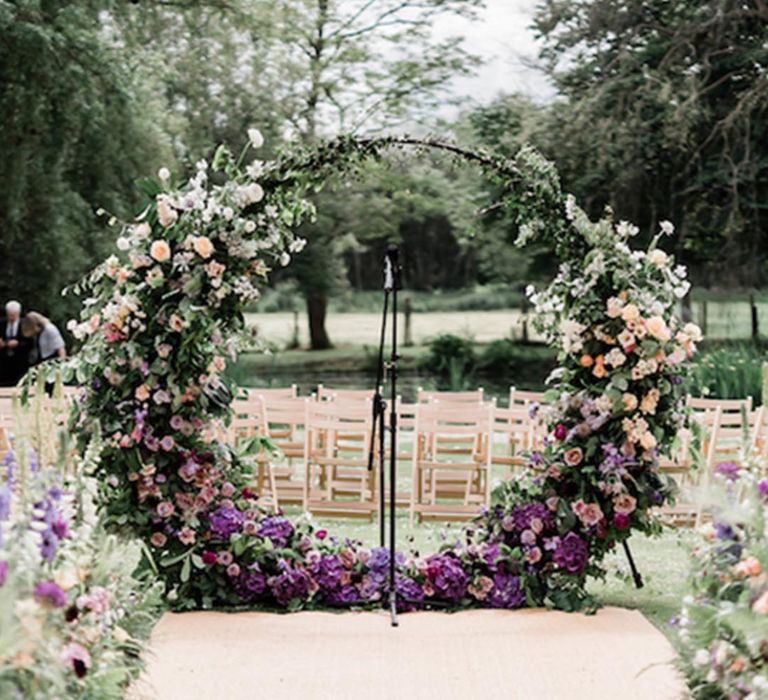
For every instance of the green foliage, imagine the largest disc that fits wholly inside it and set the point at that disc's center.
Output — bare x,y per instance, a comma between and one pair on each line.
451,359
730,372
77,130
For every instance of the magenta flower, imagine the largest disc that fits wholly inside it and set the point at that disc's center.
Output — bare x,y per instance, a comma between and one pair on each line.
3,572
77,656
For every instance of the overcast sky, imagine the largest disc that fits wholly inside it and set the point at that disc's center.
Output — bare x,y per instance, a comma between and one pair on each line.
501,37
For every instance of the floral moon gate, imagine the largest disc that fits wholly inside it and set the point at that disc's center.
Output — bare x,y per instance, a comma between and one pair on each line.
162,316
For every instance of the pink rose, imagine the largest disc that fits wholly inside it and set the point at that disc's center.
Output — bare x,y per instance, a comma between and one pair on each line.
574,456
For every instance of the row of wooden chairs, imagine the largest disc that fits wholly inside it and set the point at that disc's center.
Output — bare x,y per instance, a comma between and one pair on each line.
723,430
450,439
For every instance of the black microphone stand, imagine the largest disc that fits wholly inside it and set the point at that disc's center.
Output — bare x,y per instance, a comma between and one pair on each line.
392,282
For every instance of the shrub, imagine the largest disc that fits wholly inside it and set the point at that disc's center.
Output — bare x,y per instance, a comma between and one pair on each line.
730,372
451,359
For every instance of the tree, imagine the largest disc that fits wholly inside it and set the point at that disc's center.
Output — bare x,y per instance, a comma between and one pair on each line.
347,66
666,118
78,128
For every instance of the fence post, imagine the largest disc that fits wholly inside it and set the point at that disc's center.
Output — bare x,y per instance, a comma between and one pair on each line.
524,313
703,319
407,310
755,321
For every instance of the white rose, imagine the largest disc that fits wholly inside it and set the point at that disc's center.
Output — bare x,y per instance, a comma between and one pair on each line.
255,137
250,226
164,173
123,243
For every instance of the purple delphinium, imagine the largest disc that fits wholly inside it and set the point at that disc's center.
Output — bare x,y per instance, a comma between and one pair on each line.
571,554
506,592
290,584
250,584
224,522
278,529
50,592
447,577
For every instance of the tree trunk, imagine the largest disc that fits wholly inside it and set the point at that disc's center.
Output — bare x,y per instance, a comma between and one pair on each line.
317,305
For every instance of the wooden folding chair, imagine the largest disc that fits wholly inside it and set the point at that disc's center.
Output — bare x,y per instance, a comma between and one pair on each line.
325,393
524,398
251,394
284,420
692,473
337,480
513,437
451,461
450,397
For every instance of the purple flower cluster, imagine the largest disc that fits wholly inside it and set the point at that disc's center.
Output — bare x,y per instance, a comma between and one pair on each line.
225,522
250,584
278,529
571,553
290,584
50,593
506,592
446,577
523,517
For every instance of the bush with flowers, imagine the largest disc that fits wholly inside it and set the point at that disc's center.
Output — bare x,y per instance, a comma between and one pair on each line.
723,626
162,316
73,616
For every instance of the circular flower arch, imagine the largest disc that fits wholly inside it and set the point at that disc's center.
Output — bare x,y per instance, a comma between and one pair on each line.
162,317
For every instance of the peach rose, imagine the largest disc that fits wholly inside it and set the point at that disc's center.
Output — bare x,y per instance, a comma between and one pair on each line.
573,456
630,313
586,361
599,369
761,604
624,503
203,246
658,328
647,440
589,513
166,214
142,392
748,567
630,402
160,251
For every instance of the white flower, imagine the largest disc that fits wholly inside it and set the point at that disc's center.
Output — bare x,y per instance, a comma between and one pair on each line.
570,207
123,243
255,137
202,165
164,174
701,658
615,358
228,213
667,228
570,332
141,231
627,230
658,258
250,226
297,245
285,259
255,169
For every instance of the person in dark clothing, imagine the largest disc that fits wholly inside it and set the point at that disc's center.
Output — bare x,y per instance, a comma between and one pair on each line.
14,346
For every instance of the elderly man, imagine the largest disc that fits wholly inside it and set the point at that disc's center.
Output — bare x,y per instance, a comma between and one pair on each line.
14,347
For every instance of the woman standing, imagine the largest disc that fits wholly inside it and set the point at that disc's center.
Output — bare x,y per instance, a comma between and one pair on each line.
49,344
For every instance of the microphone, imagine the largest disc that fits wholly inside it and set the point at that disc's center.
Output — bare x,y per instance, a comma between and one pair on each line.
392,269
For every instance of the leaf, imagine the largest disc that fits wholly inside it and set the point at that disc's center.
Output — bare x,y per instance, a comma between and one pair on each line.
186,570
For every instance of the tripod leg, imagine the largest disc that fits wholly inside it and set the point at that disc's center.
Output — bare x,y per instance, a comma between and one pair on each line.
635,573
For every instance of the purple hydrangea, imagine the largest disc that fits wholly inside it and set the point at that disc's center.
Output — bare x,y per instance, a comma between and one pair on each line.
409,593
506,592
224,522
289,585
571,554
447,577
51,593
278,529
250,584
523,516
